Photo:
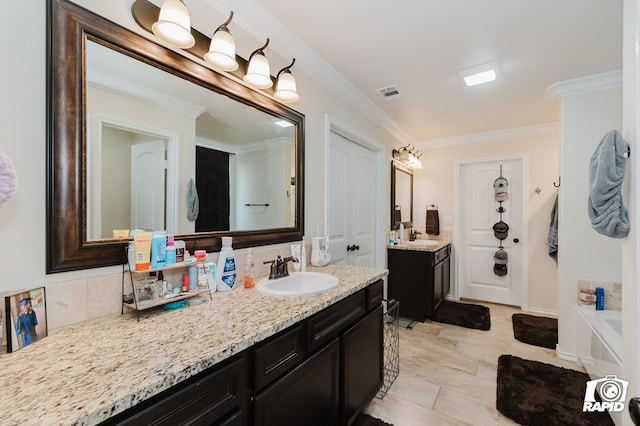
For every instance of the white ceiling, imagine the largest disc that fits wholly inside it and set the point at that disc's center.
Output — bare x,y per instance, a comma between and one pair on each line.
421,45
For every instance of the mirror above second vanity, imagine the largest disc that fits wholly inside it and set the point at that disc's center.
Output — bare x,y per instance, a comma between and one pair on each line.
401,195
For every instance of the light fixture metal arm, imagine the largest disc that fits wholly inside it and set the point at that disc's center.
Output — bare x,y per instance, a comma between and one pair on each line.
223,26
286,69
259,50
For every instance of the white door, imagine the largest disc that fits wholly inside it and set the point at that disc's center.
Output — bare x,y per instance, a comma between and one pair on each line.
148,169
477,215
351,202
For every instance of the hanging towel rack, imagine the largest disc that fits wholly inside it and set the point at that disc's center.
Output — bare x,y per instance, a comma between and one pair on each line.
257,205
558,184
432,207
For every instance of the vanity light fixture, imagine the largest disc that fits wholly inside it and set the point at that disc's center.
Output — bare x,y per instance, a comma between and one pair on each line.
222,50
174,25
408,156
480,74
258,74
286,90
171,24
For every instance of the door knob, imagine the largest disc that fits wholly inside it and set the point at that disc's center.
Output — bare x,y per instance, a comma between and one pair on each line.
516,240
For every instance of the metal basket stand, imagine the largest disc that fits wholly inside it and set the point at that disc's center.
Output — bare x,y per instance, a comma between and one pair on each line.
391,365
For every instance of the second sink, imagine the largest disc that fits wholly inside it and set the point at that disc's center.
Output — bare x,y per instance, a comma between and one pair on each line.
298,284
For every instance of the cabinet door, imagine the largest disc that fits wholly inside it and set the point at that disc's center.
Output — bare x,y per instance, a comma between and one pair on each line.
411,282
437,284
308,395
446,277
362,364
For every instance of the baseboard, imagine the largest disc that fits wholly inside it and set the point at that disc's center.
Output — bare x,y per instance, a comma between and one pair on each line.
541,311
567,356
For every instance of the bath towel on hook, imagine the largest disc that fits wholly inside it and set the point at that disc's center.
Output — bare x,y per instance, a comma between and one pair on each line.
606,172
433,220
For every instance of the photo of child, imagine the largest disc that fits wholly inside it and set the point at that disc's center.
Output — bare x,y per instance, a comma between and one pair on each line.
27,318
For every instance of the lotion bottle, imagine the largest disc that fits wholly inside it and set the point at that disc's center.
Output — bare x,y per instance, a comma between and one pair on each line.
248,271
226,269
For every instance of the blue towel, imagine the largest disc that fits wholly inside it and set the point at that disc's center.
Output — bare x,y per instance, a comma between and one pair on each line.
606,172
552,236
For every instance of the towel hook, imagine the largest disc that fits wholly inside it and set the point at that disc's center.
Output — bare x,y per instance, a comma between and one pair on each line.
558,184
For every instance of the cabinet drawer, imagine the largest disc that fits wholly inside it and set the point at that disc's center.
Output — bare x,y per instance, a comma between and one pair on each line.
326,324
279,355
205,400
374,295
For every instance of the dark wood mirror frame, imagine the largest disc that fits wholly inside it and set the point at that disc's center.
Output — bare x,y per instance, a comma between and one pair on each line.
69,26
395,168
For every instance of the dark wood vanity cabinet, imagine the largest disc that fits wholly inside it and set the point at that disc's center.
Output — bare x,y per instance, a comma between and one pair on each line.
419,280
321,371
217,396
342,371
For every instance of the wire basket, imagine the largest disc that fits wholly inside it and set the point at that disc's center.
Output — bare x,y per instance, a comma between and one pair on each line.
391,327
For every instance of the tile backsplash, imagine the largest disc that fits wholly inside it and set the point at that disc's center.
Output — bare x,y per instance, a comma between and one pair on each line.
74,301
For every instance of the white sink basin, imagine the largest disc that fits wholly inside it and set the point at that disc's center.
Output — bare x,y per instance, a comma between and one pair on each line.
425,243
297,284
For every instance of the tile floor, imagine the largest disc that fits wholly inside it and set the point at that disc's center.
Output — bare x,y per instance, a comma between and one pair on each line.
448,373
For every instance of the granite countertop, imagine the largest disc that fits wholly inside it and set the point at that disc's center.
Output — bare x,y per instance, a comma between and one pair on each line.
85,373
407,245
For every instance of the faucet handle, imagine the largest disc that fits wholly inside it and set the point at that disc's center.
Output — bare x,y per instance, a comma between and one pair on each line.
273,270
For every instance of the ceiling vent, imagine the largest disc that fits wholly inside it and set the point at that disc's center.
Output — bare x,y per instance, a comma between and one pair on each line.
389,92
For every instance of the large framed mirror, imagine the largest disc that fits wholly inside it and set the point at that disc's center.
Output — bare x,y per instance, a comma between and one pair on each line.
401,195
137,133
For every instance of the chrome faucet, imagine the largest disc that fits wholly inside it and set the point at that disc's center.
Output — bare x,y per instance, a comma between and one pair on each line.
279,267
413,235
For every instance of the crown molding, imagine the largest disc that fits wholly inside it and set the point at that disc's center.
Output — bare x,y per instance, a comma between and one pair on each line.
256,20
494,136
590,83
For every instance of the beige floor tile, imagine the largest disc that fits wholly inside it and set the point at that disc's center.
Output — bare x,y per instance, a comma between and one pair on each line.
448,373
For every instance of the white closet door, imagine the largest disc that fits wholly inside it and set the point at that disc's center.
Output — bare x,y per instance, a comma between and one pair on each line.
148,168
351,202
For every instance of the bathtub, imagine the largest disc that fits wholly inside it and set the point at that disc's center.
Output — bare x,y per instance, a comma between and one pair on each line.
599,345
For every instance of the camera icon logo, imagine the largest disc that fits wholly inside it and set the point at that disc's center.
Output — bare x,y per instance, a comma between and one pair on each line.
612,391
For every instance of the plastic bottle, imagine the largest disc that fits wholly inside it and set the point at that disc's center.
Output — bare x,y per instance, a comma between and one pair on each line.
226,269
158,249
193,277
203,271
303,256
248,274
170,251
599,298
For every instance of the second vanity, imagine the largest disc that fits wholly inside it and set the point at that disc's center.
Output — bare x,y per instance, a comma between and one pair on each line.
243,358
419,277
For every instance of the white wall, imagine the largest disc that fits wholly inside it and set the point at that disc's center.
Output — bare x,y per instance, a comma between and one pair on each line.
583,254
630,248
435,184
77,296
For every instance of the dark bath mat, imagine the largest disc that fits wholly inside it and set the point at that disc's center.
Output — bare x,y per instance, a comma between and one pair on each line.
537,331
463,314
534,393
366,420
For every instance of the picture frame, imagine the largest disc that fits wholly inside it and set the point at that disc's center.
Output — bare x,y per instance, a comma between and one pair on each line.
25,318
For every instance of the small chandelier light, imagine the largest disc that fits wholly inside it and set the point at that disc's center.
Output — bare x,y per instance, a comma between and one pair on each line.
258,74
286,90
222,50
174,25
408,156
